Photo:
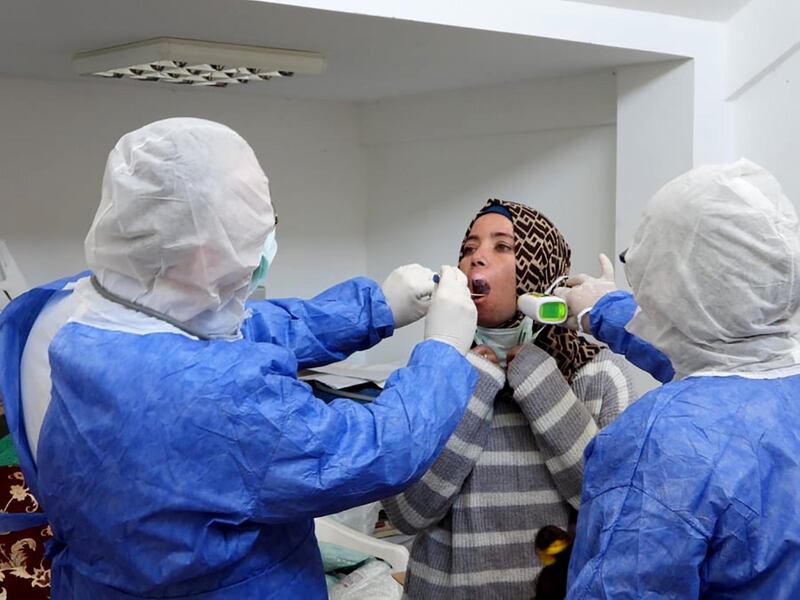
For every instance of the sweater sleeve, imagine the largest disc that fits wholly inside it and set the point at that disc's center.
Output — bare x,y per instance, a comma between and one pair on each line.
605,387
562,423
427,501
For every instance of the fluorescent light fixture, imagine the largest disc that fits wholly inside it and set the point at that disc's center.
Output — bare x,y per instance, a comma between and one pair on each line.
196,63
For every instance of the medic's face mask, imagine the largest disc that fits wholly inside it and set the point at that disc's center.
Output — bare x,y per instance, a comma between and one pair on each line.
622,256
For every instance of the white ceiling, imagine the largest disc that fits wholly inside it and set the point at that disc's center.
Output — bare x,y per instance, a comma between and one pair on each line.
368,58
708,10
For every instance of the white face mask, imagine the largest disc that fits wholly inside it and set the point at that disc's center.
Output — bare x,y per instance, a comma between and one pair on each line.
500,340
503,340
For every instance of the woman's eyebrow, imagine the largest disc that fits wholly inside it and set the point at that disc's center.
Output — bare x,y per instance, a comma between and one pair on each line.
496,234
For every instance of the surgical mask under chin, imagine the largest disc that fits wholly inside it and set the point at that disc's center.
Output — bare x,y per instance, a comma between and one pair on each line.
503,340
267,256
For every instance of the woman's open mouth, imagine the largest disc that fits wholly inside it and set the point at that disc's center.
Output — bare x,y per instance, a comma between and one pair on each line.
479,288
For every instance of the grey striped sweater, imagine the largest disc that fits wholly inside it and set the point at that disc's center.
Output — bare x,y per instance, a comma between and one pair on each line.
513,465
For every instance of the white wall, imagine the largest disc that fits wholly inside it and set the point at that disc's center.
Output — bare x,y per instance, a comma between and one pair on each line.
654,138
55,136
764,82
432,161
767,124
759,36
701,41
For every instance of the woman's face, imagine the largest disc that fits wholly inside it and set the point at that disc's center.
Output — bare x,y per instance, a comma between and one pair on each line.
490,268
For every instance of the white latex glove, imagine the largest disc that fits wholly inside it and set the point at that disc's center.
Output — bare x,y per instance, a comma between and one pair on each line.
452,316
408,290
581,292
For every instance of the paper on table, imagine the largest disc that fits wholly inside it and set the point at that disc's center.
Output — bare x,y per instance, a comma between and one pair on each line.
376,373
337,382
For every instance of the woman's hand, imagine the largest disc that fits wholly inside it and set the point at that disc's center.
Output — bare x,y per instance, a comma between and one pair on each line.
486,353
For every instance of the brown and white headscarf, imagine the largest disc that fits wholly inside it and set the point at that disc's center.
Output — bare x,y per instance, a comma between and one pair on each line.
542,255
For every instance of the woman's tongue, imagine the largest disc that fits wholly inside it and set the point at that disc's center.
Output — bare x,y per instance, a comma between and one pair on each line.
480,287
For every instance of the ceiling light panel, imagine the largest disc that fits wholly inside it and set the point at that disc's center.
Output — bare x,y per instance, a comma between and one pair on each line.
196,63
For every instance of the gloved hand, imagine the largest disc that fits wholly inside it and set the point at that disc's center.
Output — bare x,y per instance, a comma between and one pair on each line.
408,290
452,316
581,292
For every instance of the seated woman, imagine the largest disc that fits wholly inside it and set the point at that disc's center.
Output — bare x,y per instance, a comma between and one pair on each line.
515,461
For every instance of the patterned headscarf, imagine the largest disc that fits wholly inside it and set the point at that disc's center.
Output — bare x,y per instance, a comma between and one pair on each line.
542,255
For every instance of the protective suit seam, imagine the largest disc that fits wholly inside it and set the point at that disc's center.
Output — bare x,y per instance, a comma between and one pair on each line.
632,486
256,498
683,518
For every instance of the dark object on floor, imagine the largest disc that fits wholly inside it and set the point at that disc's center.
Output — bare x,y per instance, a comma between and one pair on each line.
553,548
363,392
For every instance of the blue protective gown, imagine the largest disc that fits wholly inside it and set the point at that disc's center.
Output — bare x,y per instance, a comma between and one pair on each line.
175,467
692,492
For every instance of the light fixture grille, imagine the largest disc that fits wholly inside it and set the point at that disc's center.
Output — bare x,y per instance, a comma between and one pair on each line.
178,72
196,63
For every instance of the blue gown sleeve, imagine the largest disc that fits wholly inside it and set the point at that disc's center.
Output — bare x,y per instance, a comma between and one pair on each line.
346,318
608,319
314,458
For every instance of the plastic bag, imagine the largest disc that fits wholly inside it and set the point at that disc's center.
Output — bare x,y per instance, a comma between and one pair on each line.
361,518
339,558
373,581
